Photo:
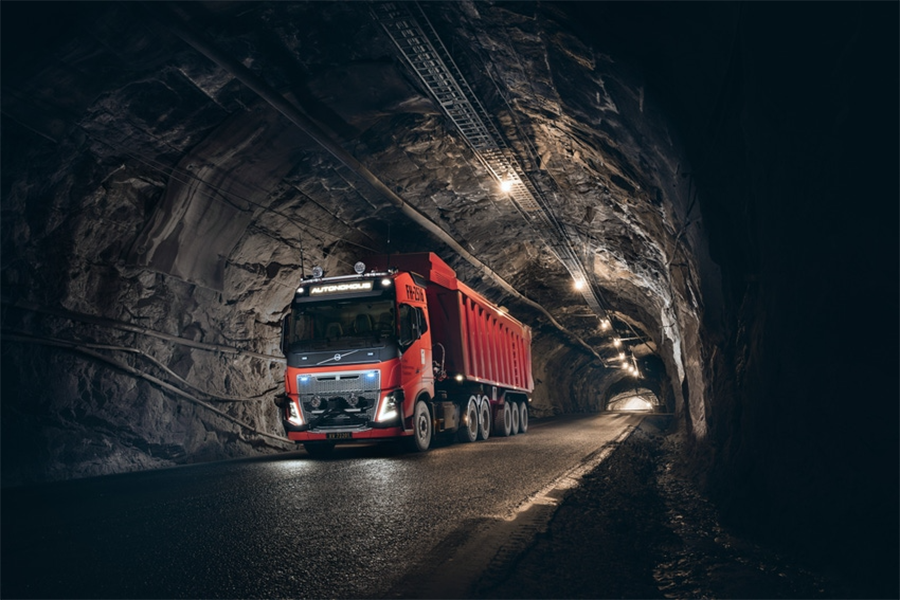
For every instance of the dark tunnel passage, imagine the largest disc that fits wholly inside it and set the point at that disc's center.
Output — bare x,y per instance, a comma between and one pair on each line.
705,205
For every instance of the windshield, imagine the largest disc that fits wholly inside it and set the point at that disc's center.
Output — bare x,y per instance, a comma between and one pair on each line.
344,323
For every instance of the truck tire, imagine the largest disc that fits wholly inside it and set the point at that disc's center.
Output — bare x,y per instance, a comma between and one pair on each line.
503,423
484,419
468,430
514,413
319,449
422,428
523,417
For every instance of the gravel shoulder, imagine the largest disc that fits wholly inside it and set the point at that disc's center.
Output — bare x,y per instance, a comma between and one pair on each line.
638,527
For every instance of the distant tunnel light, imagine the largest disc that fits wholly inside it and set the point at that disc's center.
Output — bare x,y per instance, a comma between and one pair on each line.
506,186
579,284
631,404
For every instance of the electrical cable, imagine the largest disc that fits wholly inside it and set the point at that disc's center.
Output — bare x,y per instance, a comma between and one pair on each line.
150,378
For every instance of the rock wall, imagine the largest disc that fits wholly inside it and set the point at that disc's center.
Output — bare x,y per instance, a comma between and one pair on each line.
153,229
791,126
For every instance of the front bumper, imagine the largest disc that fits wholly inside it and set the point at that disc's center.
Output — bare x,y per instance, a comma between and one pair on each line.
374,434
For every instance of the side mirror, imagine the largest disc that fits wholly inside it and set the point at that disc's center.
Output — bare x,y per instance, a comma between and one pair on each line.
285,331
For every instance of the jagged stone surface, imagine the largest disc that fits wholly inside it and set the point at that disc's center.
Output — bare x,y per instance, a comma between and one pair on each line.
181,204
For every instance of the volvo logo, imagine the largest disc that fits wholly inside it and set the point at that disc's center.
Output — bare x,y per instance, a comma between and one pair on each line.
337,357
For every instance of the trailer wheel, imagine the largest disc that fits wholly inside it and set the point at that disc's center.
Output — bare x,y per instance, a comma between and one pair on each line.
514,413
422,428
503,424
468,431
319,449
484,419
523,417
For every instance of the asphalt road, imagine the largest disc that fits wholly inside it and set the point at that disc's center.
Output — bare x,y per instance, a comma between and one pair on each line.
282,526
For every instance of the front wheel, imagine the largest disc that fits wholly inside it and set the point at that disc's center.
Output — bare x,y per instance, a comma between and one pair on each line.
422,428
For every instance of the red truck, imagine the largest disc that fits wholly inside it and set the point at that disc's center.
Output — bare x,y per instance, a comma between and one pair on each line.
401,350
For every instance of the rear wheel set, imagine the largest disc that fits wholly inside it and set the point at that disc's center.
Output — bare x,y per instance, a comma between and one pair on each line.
511,419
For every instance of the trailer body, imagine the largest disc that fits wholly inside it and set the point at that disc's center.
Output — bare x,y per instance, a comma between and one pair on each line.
401,349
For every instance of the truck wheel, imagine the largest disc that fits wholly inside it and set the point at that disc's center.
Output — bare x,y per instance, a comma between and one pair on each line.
422,427
514,413
319,449
468,431
484,419
503,424
523,417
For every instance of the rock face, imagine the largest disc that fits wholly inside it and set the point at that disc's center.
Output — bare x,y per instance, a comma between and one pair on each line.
719,172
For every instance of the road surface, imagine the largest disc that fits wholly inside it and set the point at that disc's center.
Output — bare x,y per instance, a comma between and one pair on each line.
360,524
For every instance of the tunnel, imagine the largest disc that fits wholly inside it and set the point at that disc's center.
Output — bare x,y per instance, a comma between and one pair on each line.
695,202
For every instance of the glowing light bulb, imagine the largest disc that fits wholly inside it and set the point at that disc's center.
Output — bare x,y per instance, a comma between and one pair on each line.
604,324
579,284
617,342
621,356
506,186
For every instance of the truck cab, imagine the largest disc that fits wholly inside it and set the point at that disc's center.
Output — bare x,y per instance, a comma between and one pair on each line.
359,355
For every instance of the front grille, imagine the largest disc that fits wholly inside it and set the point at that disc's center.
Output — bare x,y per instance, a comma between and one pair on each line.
345,400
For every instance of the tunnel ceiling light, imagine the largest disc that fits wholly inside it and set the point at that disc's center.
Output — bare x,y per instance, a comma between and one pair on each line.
621,356
604,324
617,342
579,284
506,186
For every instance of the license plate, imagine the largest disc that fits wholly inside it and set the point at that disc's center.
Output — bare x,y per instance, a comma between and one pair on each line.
344,435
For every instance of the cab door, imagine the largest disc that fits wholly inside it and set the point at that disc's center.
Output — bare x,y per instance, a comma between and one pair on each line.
416,374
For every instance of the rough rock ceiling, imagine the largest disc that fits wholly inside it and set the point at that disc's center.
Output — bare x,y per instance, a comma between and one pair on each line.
155,188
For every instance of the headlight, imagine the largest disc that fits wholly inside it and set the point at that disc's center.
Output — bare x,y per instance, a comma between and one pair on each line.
294,414
388,409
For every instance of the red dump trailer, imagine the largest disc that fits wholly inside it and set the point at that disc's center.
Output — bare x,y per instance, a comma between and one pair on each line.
401,349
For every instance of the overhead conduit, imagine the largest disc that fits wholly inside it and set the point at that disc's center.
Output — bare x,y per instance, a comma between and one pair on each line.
318,133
